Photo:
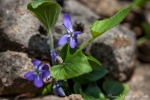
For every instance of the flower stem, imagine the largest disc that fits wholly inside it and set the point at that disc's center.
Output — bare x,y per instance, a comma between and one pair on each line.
86,43
51,42
51,39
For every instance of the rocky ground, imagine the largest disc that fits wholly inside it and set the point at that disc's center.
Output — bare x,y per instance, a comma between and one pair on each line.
139,83
23,37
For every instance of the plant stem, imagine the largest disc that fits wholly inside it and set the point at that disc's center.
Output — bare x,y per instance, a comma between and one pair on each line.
86,43
51,43
51,39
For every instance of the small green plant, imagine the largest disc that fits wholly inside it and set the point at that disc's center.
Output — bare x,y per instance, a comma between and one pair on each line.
140,3
71,68
146,28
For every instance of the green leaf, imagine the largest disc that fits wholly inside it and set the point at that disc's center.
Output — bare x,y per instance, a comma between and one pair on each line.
66,52
115,90
47,90
92,92
93,62
77,88
65,86
146,28
86,97
99,27
66,55
74,65
97,94
140,3
46,11
124,92
141,40
97,73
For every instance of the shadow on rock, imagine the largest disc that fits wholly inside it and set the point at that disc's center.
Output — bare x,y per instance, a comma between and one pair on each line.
104,54
6,44
38,47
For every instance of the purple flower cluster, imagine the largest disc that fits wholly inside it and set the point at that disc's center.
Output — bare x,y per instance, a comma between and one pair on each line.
71,36
40,71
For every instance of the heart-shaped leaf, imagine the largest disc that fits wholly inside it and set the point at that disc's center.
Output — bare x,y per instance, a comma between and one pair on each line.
66,52
74,64
46,11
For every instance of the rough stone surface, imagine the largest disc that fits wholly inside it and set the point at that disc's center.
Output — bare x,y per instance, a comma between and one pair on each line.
139,83
19,25
51,97
13,65
102,7
70,97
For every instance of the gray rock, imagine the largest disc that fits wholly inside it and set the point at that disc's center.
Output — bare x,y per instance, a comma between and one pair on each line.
13,66
19,25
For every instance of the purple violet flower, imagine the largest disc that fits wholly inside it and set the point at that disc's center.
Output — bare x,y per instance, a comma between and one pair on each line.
54,55
40,71
71,36
57,89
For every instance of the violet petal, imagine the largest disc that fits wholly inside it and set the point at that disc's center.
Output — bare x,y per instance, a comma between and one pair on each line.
38,81
54,55
45,67
61,92
40,67
45,73
55,87
73,42
29,76
77,32
58,90
36,63
63,40
68,23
